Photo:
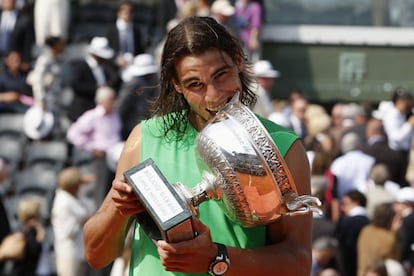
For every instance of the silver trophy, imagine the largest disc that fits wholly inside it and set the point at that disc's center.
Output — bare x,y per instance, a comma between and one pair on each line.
242,169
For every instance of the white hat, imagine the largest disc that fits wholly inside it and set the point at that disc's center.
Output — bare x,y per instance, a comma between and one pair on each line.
394,268
142,65
222,7
264,69
38,123
405,195
99,46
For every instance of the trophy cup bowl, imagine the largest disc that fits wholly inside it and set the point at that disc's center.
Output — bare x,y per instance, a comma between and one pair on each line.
242,169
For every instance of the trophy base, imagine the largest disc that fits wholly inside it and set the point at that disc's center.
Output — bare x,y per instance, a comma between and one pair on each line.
168,216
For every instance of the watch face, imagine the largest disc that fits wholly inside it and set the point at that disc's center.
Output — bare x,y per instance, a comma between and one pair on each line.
220,268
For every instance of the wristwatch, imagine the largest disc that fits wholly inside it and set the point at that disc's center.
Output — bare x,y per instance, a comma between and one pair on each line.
221,263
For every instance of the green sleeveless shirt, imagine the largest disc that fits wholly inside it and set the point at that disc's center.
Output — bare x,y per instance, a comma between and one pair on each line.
177,161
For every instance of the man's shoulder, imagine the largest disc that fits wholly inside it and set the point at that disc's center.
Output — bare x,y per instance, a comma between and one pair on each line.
276,129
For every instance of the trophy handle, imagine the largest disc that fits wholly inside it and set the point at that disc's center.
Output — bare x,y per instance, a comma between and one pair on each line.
299,205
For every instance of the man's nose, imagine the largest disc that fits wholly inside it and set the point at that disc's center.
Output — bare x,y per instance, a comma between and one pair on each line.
212,94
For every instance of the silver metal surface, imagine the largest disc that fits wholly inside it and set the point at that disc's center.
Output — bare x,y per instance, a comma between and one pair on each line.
244,171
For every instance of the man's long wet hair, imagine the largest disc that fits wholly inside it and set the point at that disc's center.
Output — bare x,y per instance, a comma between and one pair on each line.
194,36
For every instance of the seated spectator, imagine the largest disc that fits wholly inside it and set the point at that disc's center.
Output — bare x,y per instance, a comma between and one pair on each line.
15,93
98,130
29,220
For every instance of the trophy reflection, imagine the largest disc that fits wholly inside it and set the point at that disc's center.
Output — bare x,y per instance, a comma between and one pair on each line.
242,169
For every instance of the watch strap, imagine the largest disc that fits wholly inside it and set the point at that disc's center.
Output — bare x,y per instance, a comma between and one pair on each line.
221,257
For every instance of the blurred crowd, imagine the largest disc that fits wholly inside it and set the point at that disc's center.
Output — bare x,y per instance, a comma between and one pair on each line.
65,114
361,160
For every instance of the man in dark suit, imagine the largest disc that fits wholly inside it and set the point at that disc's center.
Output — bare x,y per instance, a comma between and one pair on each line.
87,74
23,38
8,18
347,230
125,37
404,209
377,147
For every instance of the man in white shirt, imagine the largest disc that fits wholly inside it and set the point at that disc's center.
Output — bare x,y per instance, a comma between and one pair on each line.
265,75
399,124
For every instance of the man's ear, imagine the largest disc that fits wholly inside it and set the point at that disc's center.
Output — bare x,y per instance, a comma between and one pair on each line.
240,62
177,86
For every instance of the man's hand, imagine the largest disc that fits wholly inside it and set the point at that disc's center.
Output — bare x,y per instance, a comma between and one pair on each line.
125,199
192,256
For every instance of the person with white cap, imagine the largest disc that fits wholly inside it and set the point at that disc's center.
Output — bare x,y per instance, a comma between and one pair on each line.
137,91
88,73
404,225
224,12
265,76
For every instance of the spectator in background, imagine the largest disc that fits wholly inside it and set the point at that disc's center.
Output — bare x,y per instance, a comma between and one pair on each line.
322,225
377,193
135,95
352,168
87,74
124,36
359,116
223,12
204,7
377,240
388,267
329,272
347,230
23,38
337,127
8,18
377,268
250,12
399,129
47,81
265,76
323,254
4,217
51,18
69,214
96,131
404,225
29,219
377,147
297,117
15,93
